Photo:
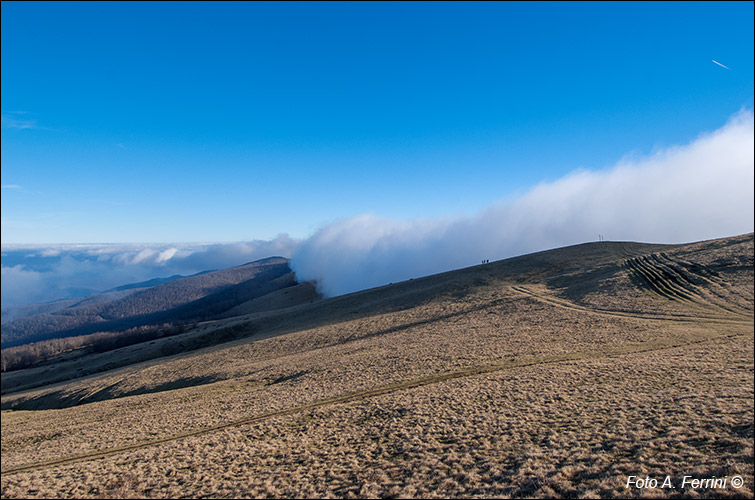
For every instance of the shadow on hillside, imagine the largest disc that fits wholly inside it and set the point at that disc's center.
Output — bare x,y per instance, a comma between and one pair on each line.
576,285
576,271
62,399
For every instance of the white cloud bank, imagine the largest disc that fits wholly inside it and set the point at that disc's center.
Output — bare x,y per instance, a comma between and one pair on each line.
686,193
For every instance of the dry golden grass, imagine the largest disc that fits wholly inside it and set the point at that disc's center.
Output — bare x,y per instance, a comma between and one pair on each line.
558,374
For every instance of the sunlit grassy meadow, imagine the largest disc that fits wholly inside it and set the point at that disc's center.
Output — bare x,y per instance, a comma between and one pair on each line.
557,374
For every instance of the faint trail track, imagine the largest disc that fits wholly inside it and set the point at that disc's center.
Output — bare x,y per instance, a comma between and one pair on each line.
379,391
709,298
565,304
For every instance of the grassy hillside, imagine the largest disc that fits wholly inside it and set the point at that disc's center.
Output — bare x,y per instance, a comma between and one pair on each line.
559,373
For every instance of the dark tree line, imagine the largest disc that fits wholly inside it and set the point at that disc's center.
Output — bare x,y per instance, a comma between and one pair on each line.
37,353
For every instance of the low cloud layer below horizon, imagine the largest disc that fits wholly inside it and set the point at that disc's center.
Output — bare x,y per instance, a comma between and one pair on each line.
43,273
680,194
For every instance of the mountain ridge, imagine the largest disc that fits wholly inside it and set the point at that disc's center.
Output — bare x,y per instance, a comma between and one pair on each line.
178,299
557,373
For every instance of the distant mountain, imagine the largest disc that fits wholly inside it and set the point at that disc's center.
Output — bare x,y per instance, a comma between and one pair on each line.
82,296
151,283
175,300
13,313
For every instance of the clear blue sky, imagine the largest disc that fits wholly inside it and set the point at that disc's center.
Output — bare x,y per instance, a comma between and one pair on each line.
129,122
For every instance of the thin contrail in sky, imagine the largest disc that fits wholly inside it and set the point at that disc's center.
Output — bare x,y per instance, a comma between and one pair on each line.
721,64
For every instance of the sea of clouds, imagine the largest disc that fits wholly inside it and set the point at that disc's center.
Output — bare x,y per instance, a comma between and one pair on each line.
686,193
42,273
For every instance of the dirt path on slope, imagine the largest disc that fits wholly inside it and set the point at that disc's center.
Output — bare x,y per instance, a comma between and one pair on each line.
414,383
724,316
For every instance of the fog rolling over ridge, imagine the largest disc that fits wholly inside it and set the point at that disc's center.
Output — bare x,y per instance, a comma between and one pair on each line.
677,194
